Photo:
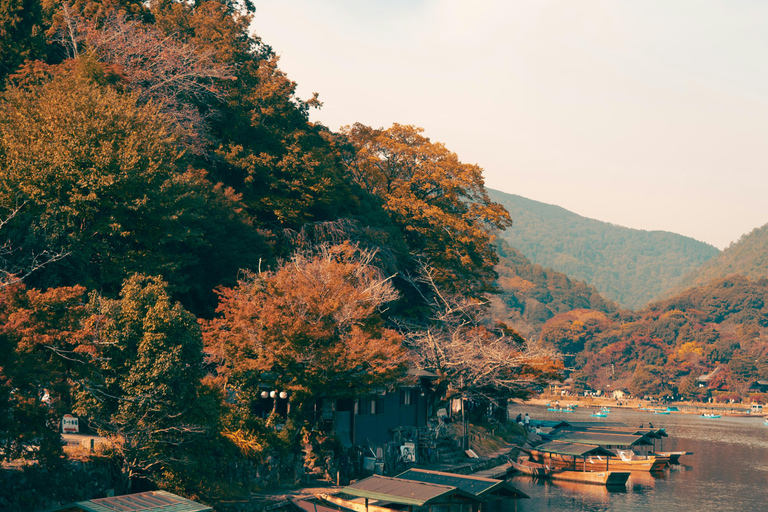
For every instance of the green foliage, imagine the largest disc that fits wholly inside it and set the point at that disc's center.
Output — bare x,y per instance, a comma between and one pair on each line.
146,392
747,257
628,266
534,294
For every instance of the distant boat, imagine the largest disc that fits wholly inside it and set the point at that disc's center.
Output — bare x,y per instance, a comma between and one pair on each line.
605,409
599,415
660,412
709,415
765,423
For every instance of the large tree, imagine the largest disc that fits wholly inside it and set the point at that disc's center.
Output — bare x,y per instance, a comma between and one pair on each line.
145,390
439,203
312,327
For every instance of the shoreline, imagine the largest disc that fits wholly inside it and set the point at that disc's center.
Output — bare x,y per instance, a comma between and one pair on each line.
635,404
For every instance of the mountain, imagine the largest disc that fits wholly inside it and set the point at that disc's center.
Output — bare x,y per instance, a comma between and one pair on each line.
629,266
748,257
530,294
667,346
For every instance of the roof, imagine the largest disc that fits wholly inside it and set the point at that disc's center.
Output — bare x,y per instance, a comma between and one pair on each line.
575,449
654,433
405,492
476,485
152,501
603,438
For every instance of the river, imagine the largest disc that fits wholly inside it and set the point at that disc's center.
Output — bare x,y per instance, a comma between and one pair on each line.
728,470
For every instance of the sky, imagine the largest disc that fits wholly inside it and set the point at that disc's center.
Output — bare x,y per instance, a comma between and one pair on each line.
646,114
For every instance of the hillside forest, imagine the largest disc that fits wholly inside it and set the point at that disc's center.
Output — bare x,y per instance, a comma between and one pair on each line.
179,237
631,267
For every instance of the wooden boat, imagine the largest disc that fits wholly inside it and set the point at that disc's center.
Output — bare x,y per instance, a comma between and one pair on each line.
674,457
592,477
599,462
531,468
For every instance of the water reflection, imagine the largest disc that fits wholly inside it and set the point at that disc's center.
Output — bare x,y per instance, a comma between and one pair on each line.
728,470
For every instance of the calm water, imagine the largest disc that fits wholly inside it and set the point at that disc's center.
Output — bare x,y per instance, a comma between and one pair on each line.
727,472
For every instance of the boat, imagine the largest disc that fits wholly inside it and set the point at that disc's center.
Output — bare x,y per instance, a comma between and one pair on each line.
599,414
605,410
531,468
592,477
710,415
660,412
674,457
765,422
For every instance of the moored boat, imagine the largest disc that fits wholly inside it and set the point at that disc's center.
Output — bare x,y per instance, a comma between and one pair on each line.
599,414
531,468
710,415
674,457
592,477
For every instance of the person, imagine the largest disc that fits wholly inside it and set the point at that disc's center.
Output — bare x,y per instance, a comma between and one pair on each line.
519,419
527,421
650,425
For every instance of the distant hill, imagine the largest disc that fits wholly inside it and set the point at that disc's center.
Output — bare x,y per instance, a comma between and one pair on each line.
529,294
748,257
629,266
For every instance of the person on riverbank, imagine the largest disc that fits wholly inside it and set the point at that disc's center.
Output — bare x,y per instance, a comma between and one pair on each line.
527,422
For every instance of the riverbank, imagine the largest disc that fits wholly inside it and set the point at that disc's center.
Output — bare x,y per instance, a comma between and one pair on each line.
636,404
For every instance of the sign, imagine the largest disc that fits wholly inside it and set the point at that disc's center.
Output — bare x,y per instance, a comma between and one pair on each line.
69,424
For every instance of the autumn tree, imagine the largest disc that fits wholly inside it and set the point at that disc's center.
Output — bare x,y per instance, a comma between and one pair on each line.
439,203
146,392
42,347
471,355
310,327
104,178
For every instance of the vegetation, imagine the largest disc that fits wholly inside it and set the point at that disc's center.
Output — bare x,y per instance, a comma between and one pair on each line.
664,349
747,257
178,238
629,266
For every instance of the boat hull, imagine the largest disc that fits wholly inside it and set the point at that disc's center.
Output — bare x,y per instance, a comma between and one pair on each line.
592,477
599,464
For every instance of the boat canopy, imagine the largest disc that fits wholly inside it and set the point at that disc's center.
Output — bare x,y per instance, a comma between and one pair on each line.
592,437
407,492
476,485
573,449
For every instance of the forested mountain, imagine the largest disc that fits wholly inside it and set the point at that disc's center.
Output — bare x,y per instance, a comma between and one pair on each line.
747,257
629,266
663,349
530,294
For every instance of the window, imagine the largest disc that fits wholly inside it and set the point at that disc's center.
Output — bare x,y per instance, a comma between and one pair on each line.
407,396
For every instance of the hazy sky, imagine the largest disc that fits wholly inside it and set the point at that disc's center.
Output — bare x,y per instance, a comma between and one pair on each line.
647,114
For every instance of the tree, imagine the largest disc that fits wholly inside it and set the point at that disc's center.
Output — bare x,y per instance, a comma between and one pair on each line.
105,179
473,357
439,203
311,327
42,342
146,392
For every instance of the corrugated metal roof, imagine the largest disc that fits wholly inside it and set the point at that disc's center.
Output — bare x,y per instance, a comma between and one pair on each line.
152,501
603,438
476,485
405,492
572,448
